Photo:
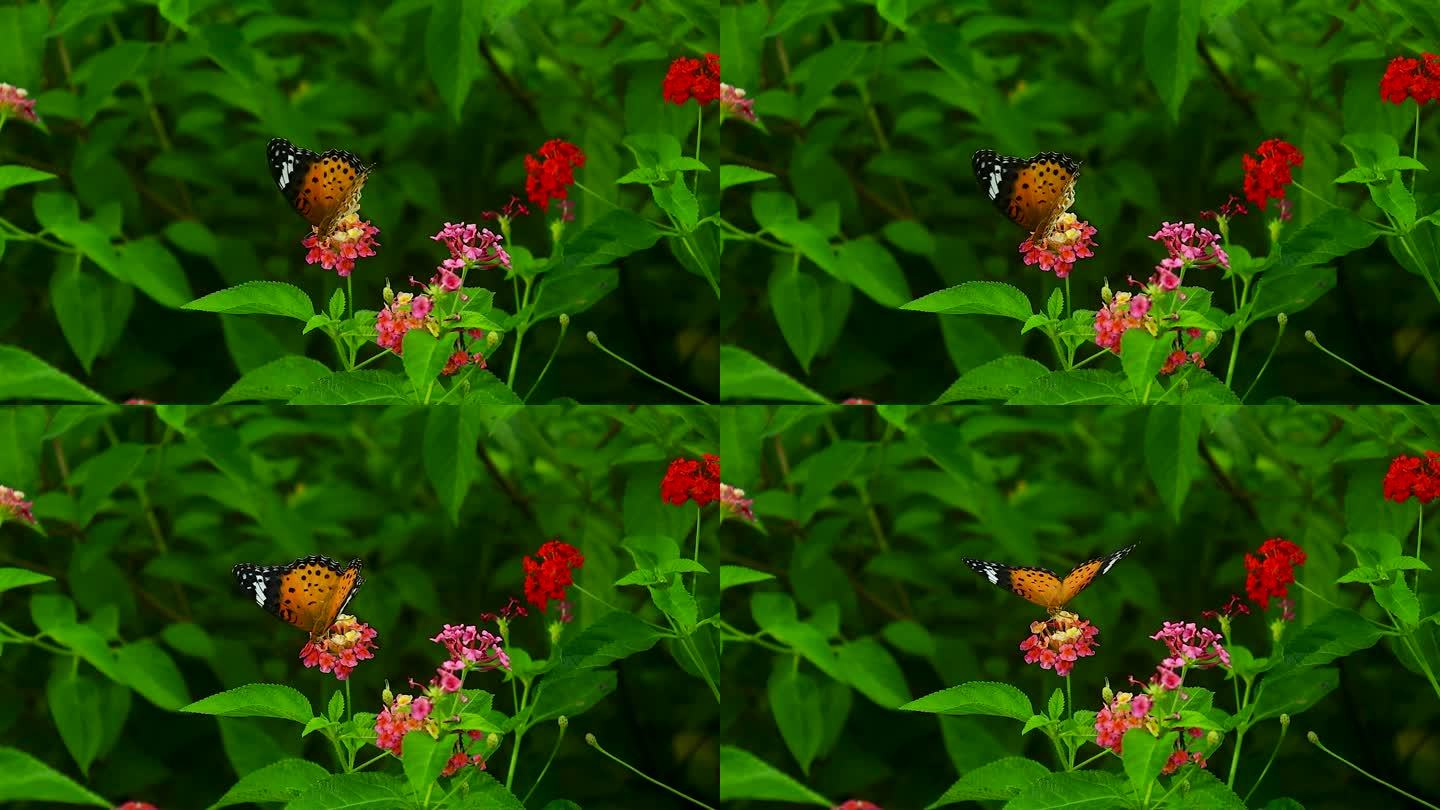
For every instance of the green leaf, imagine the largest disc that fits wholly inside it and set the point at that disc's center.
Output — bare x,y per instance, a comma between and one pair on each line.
25,778
975,697
256,700
80,311
1334,233
866,265
745,376
1172,438
25,376
1206,792
1091,790
1083,387
11,176
364,387
1171,32
105,72
352,791
1144,755
74,702
795,300
1142,355
874,673
258,298
155,271
730,576
1334,635
283,379
613,636
20,577
795,705
1001,378
1396,200
745,776
1000,780
452,52
731,176
1293,692
615,235
678,201
145,667
277,782
825,71
424,759
975,298
571,694
1289,290
451,437
425,356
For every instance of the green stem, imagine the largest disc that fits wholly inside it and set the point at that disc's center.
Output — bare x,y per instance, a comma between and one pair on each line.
1310,336
594,743
666,630
521,302
1239,738
564,724
1416,149
1420,265
1088,760
1284,727
1273,346
1419,534
699,129
595,339
350,296
564,325
519,733
1239,331
1315,740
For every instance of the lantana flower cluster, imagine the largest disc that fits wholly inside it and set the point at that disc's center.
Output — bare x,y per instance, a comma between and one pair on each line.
352,239
341,647
1267,177
550,176
1190,647
16,102
690,78
1270,574
734,103
550,573
734,503
691,480
405,713
1070,241
13,505
470,649
403,312
1407,477
1411,78
1059,642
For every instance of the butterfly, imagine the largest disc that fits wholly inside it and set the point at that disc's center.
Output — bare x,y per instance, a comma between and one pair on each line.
1033,193
1041,585
323,188
308,593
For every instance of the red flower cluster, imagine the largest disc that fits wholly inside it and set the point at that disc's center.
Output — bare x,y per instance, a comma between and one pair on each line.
1235,607
692,78
857,804
1411,78
1409,476
1269,576
1229,210
405,714
548,578
1058,643
688,479
551,176
1266,178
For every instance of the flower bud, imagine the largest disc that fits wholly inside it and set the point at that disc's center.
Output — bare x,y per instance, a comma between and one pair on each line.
1282,319
1312,737
564,321
1310,336
590,739
1106,294
492,741
565,721
1212,337
1107,694
593,338
388,294
492,339
1284,721
1213,738
386,696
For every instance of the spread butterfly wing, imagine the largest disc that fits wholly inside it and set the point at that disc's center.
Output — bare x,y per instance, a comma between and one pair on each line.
323,188
1038,585
1032,193
1085,573
307,593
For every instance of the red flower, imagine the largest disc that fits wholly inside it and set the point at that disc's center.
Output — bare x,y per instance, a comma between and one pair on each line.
689,78
548,578
1271,574
688,479
1413,476
550,177
1410,78
1266,178
1235,607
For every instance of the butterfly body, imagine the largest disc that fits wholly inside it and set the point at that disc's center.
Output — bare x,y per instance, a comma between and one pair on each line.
323,188
307,593
1043,586
1033,193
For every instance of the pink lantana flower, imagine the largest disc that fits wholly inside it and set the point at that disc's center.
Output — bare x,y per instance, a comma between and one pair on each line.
734,103
1059,642
470,649
1190,246
471,245
16,102
352,239
1071,241
14,505
340,648
402,313
733,502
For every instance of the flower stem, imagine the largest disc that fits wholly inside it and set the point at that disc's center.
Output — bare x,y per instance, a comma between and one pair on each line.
521,301
1315,740
1310,336
519,733
595,339
1239,332
350,296
564,325
1419,534
699,130
1239,737
564,724
1284,727
1416,148
1273,346
594,743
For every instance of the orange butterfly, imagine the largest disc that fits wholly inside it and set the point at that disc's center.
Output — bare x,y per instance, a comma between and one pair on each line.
1033,193
308,593
1041,585
323,188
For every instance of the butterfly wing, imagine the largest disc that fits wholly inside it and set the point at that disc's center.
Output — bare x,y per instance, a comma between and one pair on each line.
1085,573
307,593
1038,585
323,188
1032,193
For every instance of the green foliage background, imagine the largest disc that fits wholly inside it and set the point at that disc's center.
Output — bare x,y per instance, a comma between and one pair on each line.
872,111
866,517
145,513
156,118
